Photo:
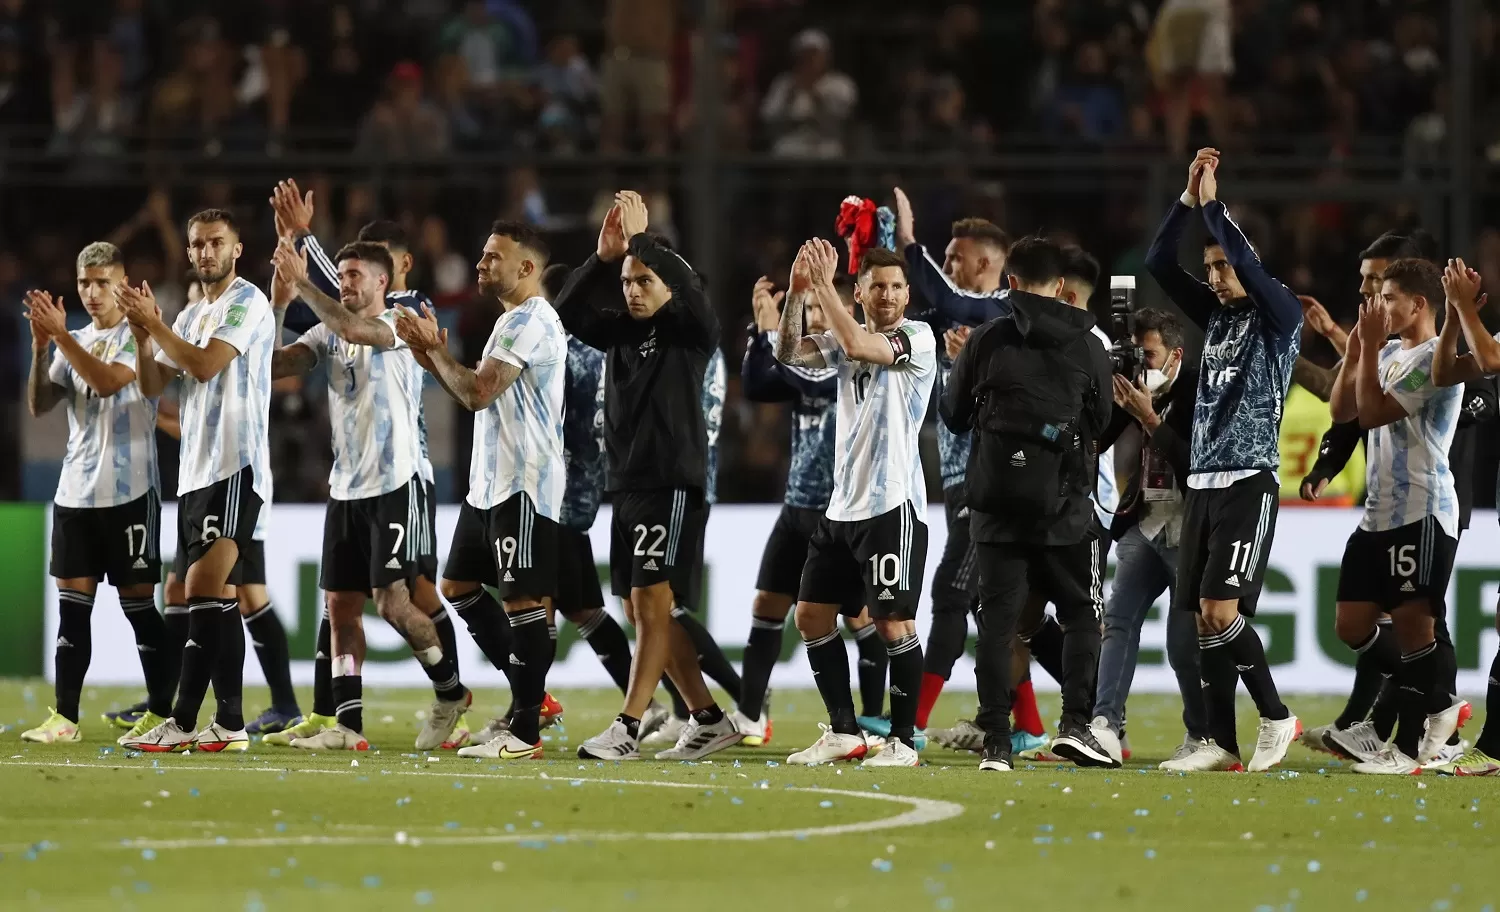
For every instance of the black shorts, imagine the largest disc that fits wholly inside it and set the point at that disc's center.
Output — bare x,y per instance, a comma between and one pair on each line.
655,537
252,564
508,546
1226,542
121,543
1399,565
578,587
225,509
427,562
373,542
879,561
957,568
785,553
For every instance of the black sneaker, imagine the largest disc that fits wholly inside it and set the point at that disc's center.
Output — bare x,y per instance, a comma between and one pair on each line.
996,758
1077,743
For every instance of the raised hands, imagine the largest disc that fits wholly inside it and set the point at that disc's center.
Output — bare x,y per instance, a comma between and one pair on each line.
612,241
46,317
293,209
766,304
420,331
1373,327
1462,286
821,259
906,223
139,305
1206,158
291,265
954,339
633,216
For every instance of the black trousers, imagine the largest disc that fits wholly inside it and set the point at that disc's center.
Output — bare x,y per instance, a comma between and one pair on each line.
1072,578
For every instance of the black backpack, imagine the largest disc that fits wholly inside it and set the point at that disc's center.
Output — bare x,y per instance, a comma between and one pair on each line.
1031,452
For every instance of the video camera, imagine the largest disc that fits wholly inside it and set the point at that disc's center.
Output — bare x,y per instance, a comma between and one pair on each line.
1128,358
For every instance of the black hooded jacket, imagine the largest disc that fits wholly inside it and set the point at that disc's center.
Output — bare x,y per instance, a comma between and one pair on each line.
1036,322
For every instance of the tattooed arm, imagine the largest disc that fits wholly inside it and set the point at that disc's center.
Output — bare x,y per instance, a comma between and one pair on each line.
792,347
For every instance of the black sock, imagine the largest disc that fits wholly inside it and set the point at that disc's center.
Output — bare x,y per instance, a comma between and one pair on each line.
1489,736
447,636
1249,657
442,671
1418,679
349,702
631,723
531,659
198,657
275,657
874,659
323,702
75,646
945,642
176,619
1447,690
229,668
607,638
154,645
487,625
1387,707
1046,646
830,664
711,658
761,652
1220,680
709,715
905,657
679,705
1379,657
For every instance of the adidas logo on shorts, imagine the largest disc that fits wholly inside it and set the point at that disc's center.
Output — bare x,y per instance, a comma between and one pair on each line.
885,595
393,564
508,578
650,564
1018,458
1234,580
1408,587
140,564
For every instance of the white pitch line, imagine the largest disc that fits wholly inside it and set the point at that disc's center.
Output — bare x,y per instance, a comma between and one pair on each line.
921,811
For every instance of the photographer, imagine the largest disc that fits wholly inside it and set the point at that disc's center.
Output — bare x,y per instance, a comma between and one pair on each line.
1154,420
1034,388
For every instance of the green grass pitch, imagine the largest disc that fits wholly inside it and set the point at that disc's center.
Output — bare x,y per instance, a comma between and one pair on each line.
87,827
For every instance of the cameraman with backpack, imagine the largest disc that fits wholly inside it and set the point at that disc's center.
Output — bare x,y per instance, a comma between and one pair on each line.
1035,387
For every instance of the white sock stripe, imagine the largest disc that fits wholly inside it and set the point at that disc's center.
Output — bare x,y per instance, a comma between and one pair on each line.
863,633
902,646
446,685
466,601
349,705
1369,641
73,595
1420,653
132,605
250,617
202,605
767,624
826,638
527,617
175,609
587,628
1384,621
678,611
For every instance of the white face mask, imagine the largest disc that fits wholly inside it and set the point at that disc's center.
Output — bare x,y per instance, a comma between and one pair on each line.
1156,380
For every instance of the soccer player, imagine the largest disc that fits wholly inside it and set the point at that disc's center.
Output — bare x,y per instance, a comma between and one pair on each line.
1399,559
872,536
222,349
1252,325
711,657
106,515
508,526
1462,288
376,512
294,214
813,393
657,349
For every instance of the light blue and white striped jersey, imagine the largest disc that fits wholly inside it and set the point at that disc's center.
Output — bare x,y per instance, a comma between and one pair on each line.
373,404
225,420
714,387
518,439
876,464
1408,478
415,300
111,441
